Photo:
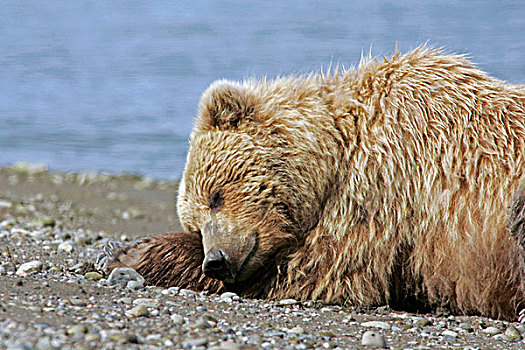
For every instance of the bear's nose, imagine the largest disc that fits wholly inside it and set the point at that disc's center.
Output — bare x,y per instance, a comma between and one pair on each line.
216,265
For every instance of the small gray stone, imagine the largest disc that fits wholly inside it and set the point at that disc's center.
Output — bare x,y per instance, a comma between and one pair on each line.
43,344
194,343
203,324
77,329
500,337
188,293
29,267
135,285
373,339
449,334
5,204
229,345
492,330
66,246
229,296
138,311
287,302
376,324
512,333
422,322
296,330
77,302
177,319
466,327
146,302
123,275
125,300
172,290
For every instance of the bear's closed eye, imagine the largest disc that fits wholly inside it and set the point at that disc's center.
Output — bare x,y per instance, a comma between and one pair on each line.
216,200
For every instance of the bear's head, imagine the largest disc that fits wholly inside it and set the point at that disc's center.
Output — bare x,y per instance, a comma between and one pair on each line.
257,173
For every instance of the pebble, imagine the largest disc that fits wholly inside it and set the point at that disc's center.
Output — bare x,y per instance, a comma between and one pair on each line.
78,329
93,275
203,324
296,330
77,302
138,311
177,319
229,297
377,324
148,302
29,267
135,285
44,343
512,333
125,300
123,275
5,204
492,330
66,246
194,343
422,322
187,292
287,302
33,308
229,345
449,334
373,339
466,327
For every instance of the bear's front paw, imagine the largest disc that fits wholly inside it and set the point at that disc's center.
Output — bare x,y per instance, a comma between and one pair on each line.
107,257
168,260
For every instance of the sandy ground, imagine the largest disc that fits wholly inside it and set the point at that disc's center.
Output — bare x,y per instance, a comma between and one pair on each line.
62,221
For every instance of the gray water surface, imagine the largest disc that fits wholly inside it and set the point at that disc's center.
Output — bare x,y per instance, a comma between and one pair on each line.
114,85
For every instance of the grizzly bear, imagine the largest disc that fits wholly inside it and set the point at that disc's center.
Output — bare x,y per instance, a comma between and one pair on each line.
397,182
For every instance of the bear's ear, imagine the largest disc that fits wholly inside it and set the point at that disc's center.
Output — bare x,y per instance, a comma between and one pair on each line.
225,104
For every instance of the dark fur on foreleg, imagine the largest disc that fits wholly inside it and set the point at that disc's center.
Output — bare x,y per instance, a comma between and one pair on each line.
167,260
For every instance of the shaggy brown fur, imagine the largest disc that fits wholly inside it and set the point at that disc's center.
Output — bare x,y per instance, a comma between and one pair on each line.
395,182
172,259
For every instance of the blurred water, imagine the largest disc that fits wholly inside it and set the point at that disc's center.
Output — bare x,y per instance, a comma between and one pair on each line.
114,85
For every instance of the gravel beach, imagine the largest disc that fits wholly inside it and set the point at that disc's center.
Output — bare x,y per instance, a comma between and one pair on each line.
54,225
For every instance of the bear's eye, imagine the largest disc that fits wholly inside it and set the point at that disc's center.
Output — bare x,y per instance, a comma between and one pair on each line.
216,200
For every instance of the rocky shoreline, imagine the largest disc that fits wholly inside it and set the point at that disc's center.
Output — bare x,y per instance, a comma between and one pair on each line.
53,226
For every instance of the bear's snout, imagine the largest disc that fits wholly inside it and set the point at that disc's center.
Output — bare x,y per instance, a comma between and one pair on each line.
217,265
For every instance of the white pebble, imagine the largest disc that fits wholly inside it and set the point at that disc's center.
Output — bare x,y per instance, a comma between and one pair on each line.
123,275
373,339
187,292
29,267
450,334
177,319
229,297
5,204
492,330
296,330
287,302
66,246
138,311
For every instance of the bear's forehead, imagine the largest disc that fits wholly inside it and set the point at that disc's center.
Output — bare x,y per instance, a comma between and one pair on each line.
220,157
216,146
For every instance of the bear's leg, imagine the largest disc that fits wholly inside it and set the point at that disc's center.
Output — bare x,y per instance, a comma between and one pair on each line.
167,260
